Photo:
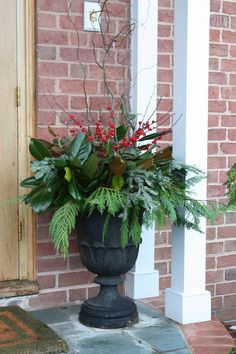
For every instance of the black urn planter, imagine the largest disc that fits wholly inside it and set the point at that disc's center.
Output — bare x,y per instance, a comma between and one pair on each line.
108,260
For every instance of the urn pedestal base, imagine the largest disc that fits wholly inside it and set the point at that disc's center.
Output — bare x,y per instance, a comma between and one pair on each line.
108,309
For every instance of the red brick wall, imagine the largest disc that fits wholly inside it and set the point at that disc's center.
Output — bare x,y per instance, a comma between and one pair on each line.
221,237
59,80
165,90
221,247
58,72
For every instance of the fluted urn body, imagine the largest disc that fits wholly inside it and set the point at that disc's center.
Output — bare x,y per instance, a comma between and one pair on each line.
108,260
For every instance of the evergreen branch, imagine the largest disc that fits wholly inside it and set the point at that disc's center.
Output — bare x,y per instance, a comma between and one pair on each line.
109,199
61,225
124,231
135,227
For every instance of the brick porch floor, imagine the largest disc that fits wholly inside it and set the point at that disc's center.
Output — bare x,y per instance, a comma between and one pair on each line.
203,338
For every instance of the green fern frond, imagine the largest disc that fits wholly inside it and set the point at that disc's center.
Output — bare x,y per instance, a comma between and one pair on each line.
135,228
109,199
61,225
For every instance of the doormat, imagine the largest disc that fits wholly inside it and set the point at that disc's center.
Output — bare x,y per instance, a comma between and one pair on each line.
21,333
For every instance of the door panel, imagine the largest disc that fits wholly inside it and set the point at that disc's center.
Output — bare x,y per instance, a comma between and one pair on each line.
9,248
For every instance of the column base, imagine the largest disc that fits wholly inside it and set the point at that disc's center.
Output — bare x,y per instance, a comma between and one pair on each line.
142,285
189,308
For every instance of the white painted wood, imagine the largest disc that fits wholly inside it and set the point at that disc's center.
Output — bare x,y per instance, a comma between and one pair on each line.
143,280
92,11
187,301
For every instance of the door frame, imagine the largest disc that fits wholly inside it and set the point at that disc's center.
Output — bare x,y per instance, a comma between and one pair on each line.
26,129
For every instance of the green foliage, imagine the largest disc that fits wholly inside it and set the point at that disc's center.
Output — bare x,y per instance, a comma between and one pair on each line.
75,146
124,231
117,182
44,169
105,226
121,131
12,201
233,351
61,225
138,185
153,136
105,199
38,149
135,227
80,148
231,185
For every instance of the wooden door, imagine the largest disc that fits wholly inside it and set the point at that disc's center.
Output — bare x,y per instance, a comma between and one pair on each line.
9,220
17,253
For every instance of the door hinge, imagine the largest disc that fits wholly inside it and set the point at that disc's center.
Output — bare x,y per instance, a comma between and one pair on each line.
17,96
20,231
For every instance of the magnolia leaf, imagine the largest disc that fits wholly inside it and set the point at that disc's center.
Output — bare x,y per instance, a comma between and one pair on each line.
84,151
57,150
117,166
40,199
30,182
60,164
76,145
75,163
73,190
68,174
38,150
121,131
109,147
62,197
163,154
55,184
145,164
90,166
155,135
98,181
46,143
117,182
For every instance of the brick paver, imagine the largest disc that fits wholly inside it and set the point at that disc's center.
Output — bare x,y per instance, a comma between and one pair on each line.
209,337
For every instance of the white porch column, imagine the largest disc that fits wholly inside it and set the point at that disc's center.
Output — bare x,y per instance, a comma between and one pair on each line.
187,301
143,280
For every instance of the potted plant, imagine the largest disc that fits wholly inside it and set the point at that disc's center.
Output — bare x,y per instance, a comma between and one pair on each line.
107,180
